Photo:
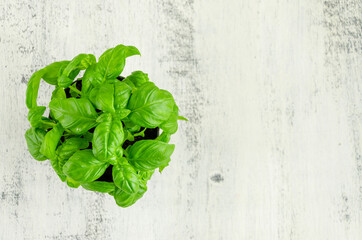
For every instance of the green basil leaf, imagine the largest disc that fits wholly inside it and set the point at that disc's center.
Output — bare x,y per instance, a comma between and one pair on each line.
52,71
126,178
99,186
70,146
80,62
112,61
87,61
83,167
160,169
33,88
91,78
64,152
122,93
78,115
88,136
122,113
146,175
170,125
124,199
57,163
35,115
138,78
51,141
71,183
130,126
103,97
34,139
150,154
182,118
164,137
59,93
107,138
150,106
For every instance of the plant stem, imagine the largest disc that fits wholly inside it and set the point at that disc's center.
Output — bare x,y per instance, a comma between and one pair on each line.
142,133
75,90
48,123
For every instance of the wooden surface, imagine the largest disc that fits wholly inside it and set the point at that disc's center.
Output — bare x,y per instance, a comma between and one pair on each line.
273,91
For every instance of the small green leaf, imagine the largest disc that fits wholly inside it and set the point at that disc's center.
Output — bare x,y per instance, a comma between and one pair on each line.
34,139
182,118
126,178
99,186
83,167
146,175
112,61
78,115
51,141
150,106
150,154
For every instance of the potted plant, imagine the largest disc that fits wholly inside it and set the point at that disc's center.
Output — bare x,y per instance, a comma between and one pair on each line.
102,131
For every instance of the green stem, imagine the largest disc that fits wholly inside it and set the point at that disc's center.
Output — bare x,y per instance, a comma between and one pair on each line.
142,133
48,123
75,90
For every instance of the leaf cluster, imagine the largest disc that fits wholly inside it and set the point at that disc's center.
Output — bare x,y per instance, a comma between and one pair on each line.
98,122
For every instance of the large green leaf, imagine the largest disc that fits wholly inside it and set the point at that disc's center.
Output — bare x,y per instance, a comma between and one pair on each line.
83,167
150,106
34,139
107,138
126,178
112,61
78,115
150,154
99,186
103,97
124,199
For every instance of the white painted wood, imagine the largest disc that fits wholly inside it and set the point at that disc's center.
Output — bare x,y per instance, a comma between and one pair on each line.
273,93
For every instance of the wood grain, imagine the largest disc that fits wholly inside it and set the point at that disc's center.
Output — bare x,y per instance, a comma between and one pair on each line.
273,148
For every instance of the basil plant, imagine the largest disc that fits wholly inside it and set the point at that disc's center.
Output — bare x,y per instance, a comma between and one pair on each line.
102,130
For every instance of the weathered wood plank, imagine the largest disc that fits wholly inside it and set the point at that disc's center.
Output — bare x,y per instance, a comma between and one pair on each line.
273,93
